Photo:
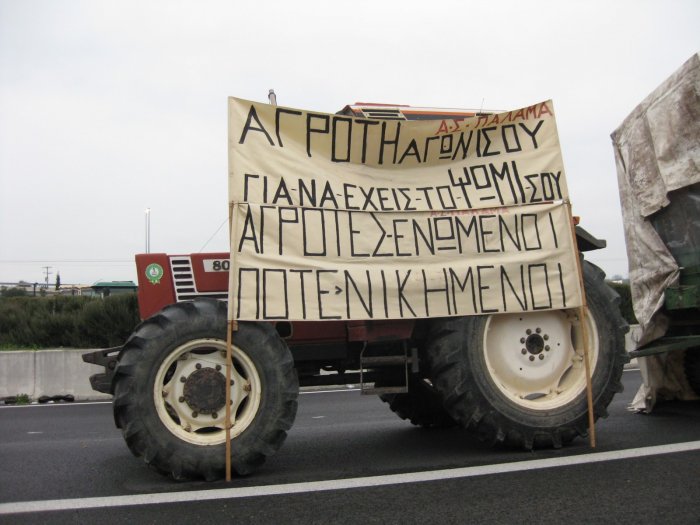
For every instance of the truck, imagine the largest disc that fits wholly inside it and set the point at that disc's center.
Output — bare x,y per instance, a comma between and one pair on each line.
515,380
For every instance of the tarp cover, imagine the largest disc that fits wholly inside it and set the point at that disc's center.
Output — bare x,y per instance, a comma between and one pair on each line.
657,151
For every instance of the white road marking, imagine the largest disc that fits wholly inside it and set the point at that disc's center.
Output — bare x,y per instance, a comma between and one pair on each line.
340,484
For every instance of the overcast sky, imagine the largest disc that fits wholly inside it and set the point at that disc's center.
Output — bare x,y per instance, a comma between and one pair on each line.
109,108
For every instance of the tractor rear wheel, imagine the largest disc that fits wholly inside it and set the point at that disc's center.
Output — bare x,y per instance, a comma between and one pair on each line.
421,405
519,379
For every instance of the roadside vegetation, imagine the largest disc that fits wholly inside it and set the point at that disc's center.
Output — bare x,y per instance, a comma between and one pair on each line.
65,321
93,322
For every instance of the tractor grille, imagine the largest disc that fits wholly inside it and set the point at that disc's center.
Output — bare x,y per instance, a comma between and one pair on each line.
185,285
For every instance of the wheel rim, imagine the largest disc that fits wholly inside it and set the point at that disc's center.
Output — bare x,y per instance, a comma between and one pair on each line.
189,392
536,359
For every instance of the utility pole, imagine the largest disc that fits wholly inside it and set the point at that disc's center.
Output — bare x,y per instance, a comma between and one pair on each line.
47,272
148,230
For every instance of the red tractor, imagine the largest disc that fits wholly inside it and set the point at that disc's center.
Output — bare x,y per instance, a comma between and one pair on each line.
516,379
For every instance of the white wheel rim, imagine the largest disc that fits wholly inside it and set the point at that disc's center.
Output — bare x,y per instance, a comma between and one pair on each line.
199,366
536,359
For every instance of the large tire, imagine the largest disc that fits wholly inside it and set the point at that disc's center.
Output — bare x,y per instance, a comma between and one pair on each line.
421,405
169,392
516,378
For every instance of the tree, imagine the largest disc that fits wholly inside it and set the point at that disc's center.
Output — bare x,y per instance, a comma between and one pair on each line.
58,281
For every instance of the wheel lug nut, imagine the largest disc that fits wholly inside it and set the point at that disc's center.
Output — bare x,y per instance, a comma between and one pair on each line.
538,330
181,399
546,348
523,351
218,367
164,393
545,337
522,340
231,382
528,331
541,357
183,379
532,358
214,415
198,366
195,414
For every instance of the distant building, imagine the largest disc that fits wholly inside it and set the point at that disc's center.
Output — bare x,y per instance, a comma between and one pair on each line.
99,289
106,288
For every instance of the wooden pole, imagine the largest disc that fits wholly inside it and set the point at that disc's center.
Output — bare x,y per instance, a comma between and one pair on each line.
231,327
229,355
584,334
589,385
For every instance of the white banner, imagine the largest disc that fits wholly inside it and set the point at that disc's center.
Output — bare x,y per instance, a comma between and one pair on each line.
343,218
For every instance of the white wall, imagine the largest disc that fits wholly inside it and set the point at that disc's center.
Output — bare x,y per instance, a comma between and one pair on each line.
47,373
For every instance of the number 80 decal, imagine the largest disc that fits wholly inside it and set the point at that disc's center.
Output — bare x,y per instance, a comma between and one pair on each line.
216,265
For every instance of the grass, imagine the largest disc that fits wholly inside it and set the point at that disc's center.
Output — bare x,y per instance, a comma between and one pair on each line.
7,347
23,399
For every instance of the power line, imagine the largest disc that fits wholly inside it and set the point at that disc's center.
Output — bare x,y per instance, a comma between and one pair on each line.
213,235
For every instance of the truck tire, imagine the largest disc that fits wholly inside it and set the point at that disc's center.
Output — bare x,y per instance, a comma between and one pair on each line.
692,368
421,405
169,392
516,379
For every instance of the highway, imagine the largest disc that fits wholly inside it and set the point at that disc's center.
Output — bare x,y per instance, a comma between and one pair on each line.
348,459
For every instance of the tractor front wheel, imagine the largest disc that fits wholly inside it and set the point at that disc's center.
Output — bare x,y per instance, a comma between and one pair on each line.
170,384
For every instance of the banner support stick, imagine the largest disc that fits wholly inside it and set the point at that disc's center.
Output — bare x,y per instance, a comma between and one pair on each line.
229,354
231,327
589,385
584,334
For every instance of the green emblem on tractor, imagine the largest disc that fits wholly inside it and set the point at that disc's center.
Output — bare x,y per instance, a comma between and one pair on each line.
154,272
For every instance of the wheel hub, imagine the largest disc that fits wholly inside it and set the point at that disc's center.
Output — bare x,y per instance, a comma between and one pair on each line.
533,358
205,390
190,391
534,344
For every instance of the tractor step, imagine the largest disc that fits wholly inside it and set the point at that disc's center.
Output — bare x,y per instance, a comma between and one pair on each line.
400,358
367,390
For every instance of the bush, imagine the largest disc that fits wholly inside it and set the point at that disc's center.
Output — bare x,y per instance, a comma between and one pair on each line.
12,292
108,322
93,322
67,321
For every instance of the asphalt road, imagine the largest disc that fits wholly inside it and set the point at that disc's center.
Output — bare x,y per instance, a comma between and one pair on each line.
72,453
